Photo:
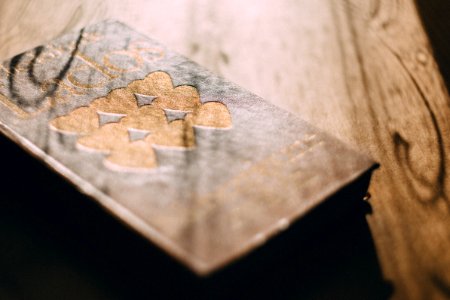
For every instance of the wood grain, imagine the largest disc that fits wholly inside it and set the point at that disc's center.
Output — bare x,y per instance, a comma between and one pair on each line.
361,70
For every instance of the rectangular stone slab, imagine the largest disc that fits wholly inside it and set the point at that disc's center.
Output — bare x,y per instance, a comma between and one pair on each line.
201,167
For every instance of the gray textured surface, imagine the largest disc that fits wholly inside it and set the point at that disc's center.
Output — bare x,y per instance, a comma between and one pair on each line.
208,205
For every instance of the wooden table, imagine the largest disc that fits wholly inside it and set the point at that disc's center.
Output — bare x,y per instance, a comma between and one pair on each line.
361,70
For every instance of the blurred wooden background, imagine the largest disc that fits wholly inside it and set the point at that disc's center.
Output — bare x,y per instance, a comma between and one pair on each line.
361,70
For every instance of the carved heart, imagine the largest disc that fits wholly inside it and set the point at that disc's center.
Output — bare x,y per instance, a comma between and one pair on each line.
83,120
159,85
118,101
109,137
213,115
136,156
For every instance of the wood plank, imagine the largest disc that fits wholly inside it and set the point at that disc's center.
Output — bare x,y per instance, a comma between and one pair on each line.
362,70
404,105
